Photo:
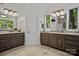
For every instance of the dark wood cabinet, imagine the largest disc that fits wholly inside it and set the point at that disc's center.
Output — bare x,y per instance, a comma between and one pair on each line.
60,41
52,40
45,38
19,39
68,43
11,40
2,40
72,44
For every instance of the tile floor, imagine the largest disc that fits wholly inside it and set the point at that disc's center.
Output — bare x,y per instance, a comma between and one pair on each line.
34,51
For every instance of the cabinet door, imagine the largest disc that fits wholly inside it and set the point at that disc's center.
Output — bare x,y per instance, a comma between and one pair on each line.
71,41
16,39
2,42
60,41
63,43
19,39
44,38
72,44
10,40
52,40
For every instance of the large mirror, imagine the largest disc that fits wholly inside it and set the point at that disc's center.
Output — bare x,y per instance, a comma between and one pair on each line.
47,21
6,23
73,19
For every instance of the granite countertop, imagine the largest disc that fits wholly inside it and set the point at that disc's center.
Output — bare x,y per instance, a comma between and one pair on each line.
67,33
4,32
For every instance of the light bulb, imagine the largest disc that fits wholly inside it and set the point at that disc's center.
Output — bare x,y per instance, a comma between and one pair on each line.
61,16
62,12
53,14
57,13
11,13
3,16
5,11
15,14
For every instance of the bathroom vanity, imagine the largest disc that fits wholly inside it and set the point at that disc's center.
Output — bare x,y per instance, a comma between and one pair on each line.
11,39
68,42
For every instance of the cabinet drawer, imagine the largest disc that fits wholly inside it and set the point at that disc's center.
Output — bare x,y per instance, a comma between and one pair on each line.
72,37
70,45
44,34
44,41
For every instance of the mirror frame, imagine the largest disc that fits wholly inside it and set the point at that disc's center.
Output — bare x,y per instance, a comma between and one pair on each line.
67,25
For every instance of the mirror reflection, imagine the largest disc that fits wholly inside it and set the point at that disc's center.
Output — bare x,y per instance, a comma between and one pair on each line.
73,18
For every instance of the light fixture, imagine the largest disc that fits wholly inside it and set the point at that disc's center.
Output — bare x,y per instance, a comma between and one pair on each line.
10,12
59,13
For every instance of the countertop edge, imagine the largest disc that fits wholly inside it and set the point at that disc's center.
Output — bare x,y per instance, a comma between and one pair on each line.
61,33
10,32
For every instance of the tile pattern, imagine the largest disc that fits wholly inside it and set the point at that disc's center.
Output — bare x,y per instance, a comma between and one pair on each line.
34,51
